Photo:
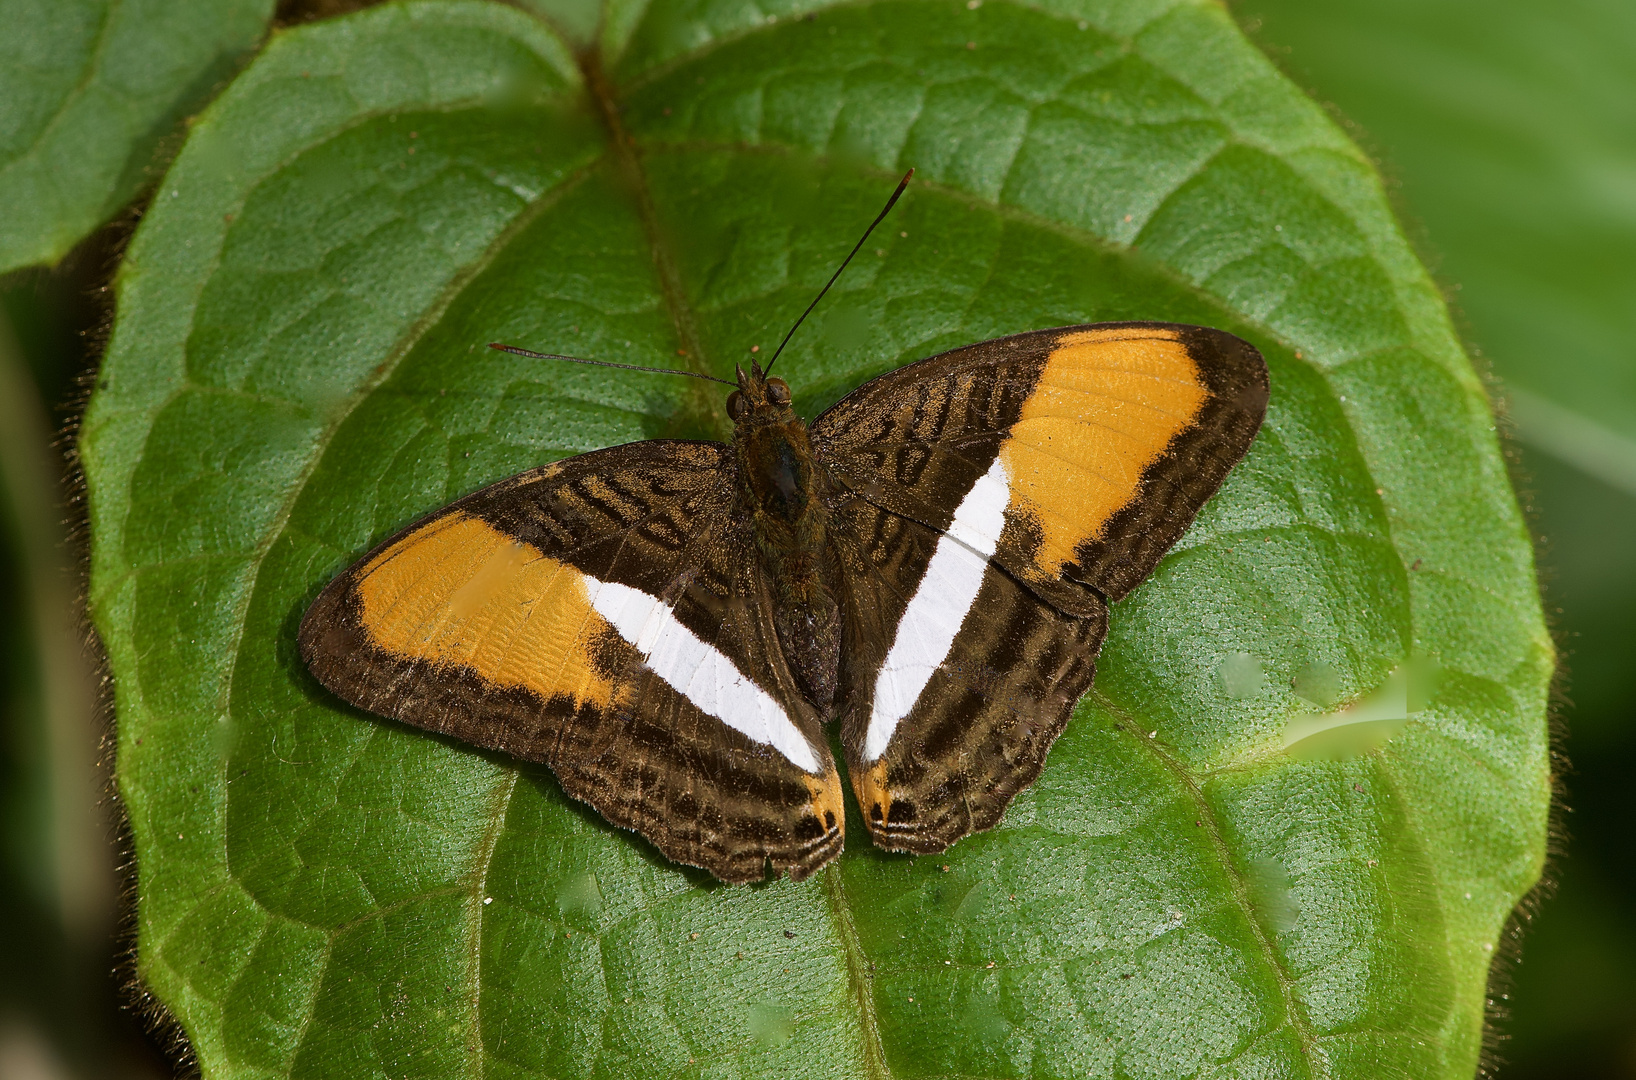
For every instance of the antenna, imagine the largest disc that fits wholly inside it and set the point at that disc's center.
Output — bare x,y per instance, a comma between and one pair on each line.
887,209
604,363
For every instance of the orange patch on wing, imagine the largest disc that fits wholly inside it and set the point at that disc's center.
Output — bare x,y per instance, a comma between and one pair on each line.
459,591
871,790
826,798
1107,406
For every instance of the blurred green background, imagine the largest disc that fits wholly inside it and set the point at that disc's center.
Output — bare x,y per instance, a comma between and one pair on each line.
1508,131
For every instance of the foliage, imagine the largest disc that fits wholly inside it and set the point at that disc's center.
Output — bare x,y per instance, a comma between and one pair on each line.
297,369
92,88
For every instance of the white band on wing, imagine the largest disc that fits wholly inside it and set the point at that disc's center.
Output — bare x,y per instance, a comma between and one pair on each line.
698,671
940,603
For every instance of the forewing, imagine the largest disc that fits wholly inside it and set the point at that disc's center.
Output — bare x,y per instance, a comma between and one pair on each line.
1110,438
603,615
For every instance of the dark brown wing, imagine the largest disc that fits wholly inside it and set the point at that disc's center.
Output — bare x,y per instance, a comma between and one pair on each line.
604,615
1023,483
992,702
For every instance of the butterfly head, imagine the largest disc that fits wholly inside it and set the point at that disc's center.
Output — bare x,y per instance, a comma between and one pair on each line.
759,399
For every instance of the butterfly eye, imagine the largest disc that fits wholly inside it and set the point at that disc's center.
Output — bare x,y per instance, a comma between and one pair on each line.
778,391
735,405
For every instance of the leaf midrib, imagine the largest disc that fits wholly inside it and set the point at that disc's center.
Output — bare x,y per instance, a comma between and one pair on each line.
695,401
857,964
695,407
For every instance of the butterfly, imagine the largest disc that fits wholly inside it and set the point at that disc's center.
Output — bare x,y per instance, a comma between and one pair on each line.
670,625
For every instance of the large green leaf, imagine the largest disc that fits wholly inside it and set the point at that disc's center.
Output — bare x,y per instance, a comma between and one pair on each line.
88,91
297,369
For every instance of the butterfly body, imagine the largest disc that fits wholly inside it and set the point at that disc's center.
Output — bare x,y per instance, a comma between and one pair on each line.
669,625
784,492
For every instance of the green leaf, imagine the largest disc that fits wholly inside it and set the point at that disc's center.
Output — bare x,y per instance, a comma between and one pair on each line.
89,90
297,370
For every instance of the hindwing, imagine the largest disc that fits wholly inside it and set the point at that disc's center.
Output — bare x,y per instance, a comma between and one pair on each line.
607,616
958,679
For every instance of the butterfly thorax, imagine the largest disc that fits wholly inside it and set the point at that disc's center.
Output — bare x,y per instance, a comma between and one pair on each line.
782,492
